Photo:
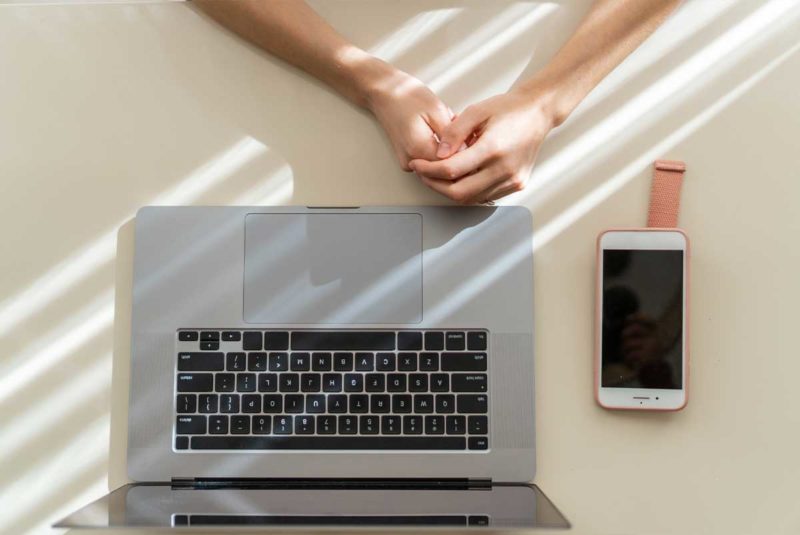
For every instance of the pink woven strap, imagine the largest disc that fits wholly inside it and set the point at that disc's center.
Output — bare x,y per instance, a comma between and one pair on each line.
665,194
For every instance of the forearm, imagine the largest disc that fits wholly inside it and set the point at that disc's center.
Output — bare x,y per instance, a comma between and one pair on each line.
609,33
293,31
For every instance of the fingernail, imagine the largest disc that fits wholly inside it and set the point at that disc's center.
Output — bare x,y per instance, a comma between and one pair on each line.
444,150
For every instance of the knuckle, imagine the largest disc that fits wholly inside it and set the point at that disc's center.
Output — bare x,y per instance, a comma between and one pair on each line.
517,183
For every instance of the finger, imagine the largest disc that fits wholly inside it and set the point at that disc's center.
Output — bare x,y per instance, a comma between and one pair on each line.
459,130
458,165
439,119
507,187
465,190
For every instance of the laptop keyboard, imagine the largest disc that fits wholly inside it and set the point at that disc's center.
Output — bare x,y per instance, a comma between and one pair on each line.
332,390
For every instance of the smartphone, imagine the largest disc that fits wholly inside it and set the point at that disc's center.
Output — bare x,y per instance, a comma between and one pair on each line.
641,329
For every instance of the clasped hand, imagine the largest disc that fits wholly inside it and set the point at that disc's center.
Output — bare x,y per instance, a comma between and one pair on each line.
484,153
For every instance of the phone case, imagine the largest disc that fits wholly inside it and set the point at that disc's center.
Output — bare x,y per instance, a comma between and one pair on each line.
598,315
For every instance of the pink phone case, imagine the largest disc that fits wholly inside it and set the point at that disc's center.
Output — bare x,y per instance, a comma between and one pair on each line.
598,315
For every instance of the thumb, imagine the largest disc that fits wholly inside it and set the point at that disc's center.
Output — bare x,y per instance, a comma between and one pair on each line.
457,132
439,119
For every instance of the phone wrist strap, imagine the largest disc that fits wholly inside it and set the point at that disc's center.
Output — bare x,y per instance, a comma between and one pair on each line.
665,194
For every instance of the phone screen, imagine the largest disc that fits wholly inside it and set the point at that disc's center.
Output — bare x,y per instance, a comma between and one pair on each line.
642,328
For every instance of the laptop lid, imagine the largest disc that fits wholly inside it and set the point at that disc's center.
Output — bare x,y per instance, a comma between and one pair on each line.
338,508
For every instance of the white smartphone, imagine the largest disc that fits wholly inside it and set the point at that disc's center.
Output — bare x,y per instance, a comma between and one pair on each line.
641,328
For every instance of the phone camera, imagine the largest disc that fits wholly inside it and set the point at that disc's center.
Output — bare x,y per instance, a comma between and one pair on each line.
656,397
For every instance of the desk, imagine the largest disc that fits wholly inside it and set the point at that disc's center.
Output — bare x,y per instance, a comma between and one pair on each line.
109,107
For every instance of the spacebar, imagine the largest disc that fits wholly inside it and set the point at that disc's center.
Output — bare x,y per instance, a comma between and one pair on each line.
327,443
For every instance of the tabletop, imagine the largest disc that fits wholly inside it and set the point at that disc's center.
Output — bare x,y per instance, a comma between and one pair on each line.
108,107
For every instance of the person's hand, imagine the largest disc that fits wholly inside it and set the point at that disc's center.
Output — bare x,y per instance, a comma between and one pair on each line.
411,114
502,137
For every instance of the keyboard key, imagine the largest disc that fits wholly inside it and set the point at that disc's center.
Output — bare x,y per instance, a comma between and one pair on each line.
327,442
343,362
187,403
231,336
278,362
326,425
407,362
434,341
412,425
209,346
195,382
218,425
229,403
463,362
252,341
469,382
245,382
267,382
478,425
289,382
293,403
365,362
375,382
369,425
391,425
472,404
209,336
273,403
401,403
282,425
321,362
440,382
456,341
418,382
423,403
456,425
348,425
380,403
384,362
251,403
236,361
225,382
332,382
353,382
188,336
434,425
209,403
257,362
346,340
429,362
182,443
315,403
476,341
337,403
304,425
262,425
445,403
396,382
276,340
191,425
300,362
240,425
479,443
409,340
310,382
359,403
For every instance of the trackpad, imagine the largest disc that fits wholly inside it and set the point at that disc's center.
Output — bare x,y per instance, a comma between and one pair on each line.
333,268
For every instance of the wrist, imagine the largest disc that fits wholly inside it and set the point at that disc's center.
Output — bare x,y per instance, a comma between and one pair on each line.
366,77
549,97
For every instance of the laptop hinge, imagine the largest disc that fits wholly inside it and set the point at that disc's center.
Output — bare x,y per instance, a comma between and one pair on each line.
310,483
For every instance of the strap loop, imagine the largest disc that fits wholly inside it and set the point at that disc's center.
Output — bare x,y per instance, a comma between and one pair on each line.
665,194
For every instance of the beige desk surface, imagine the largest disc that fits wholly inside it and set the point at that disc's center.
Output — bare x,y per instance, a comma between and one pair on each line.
105,108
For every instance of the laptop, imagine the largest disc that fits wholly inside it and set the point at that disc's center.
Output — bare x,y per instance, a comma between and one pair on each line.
330,367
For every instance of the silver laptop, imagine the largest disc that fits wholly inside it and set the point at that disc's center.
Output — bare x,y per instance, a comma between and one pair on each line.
331,367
